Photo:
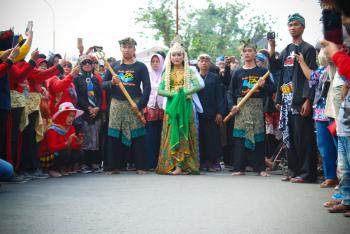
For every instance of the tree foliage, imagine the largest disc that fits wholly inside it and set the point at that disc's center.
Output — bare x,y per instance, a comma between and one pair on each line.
216,29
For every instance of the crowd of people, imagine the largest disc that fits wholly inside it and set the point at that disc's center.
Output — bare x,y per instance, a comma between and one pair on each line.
57,119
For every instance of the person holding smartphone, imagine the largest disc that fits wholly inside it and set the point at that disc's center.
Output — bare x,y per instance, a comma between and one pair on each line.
294,99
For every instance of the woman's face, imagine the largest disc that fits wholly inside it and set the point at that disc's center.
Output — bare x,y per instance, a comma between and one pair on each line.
87,65
67,68
177,58
70,118
155,63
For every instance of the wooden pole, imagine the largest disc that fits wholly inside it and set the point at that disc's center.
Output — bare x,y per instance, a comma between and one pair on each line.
177,17
246,97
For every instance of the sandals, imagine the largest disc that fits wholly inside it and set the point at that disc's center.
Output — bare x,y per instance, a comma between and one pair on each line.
340,208
329,183
264,174
238,173
141,172
286,178
331,203
112,172
297,180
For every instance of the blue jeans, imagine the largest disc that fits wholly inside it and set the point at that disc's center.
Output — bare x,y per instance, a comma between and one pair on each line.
344,167
327,147
6,170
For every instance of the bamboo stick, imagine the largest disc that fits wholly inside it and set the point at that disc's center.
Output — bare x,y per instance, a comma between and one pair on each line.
246,97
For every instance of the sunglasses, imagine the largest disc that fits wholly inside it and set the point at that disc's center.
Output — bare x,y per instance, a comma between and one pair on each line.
67,65
85,62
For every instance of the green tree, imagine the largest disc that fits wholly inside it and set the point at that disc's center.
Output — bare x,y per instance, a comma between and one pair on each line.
216,30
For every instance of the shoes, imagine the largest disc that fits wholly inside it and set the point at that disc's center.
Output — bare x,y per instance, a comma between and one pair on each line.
98,170
329,183
210,169
38,174
18,179
54,174
85,170
347,214
340,208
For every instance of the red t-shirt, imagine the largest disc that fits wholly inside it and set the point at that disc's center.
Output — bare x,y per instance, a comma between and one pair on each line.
342,61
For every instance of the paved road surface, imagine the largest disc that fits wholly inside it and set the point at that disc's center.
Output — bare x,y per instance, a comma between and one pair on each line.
129,203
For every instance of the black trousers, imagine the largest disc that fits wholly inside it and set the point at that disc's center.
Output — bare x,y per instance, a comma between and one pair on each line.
209,140
65,158
29,152
3,139
118,153
302,158
243,156
92,157
227,150
16,137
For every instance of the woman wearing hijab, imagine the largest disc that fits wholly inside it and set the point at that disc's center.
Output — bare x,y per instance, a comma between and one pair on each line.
154,111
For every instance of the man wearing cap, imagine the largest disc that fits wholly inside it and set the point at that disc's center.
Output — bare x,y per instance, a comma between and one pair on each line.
212,101
125,130
294,98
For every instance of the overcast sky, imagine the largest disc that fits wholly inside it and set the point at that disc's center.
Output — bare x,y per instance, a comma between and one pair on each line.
104,22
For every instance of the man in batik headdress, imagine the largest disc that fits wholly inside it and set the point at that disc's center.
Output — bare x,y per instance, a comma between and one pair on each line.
249,124
125,129
294,98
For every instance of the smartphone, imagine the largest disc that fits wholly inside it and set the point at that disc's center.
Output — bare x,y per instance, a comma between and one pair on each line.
97,48
22,42
270,35
29,27
80,42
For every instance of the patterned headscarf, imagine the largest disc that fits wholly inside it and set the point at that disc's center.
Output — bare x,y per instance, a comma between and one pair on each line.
296,17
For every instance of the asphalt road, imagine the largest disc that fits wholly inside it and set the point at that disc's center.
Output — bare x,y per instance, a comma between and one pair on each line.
130,203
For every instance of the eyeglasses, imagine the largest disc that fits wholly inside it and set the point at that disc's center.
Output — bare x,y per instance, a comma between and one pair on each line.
85,62
67,65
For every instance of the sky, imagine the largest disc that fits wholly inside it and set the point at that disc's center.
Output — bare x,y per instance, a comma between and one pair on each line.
104,22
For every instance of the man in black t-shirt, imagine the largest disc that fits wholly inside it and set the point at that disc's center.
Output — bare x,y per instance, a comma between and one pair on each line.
125,131
249,124
294,99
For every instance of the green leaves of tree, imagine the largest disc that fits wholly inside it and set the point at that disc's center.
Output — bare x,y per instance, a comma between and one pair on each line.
216,30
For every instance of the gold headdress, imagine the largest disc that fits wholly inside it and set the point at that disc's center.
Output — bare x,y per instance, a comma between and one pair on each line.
176,46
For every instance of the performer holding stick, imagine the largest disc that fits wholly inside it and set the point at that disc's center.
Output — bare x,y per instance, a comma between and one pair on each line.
249,86
124,128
